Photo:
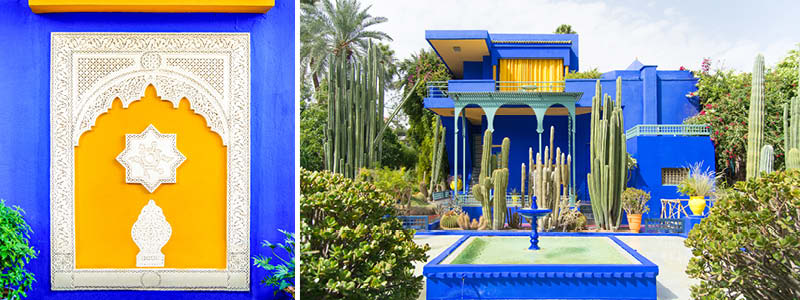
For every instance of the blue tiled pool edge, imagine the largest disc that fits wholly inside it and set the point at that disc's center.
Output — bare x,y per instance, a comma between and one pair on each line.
576,281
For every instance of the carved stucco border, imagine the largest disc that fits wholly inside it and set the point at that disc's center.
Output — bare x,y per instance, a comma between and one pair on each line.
227,112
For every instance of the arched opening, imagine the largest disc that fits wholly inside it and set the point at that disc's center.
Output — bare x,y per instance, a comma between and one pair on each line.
106,207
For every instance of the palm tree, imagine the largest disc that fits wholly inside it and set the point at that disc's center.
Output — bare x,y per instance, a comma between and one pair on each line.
328,28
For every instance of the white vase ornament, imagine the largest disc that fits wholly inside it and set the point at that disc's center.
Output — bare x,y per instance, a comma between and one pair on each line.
150,233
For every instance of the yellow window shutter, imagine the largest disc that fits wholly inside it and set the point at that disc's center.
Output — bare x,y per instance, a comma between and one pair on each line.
548,73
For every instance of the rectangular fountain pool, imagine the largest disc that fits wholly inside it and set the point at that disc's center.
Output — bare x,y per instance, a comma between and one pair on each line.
568,266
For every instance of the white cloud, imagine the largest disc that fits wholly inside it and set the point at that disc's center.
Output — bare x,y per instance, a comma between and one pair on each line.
611,36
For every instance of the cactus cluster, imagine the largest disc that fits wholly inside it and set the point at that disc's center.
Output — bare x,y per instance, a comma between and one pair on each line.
465,224
608,158
449,222
550,177
497,181
514,220
755,118
355,113
791,130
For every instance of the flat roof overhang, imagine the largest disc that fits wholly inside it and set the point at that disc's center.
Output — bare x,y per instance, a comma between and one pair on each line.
454,47
513,105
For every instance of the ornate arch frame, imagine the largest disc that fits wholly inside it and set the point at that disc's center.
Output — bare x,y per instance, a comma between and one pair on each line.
87,72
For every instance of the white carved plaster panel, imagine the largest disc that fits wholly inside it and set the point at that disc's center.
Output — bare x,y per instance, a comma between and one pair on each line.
151,158
150,233
88,71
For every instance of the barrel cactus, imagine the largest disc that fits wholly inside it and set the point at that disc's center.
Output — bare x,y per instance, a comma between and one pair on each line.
449,221
755,118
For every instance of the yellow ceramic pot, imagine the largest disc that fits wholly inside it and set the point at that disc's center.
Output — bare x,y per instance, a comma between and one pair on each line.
515,200
635,222
697,204
453,184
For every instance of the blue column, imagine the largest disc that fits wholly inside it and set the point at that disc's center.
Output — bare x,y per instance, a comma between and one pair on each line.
649,94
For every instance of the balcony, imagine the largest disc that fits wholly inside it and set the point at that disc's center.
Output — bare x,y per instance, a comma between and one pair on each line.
441,89
670,130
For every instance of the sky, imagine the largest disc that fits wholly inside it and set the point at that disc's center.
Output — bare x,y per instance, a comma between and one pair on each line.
612,34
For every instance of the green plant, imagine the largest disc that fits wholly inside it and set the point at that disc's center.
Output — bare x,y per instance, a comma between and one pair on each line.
500,178
394,182
766,159
514,220
700,182
551,180
588,74
723,95
15,253
355,124
755,129
751,250
634,201
608,157
449,221
793,159
281,275
351,247
481,190
437,153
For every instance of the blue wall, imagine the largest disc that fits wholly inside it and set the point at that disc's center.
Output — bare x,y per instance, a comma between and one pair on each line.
655,152
25,134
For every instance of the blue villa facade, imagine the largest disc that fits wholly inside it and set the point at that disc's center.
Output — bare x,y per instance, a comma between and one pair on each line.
505,82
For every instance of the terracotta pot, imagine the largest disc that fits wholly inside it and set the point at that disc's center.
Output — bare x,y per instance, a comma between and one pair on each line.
635,222
697,204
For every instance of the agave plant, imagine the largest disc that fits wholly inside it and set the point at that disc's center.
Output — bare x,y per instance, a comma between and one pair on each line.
700,182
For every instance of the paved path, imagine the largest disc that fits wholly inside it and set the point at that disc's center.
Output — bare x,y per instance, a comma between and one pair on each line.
667,252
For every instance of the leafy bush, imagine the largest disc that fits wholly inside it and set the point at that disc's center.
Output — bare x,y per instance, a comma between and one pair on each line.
351,247
281,275
748,246
588,74
15,253
724,97
394,182
634,201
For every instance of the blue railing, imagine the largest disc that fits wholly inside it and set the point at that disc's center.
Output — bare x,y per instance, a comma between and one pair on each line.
674,130
414,222
441,89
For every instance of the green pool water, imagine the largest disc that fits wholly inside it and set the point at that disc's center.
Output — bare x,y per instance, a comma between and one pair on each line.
555,250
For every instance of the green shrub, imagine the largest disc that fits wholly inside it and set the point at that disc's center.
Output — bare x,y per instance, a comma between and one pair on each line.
281,275
634,201
748,245
588,74
724,97
394,182
351,247
15,253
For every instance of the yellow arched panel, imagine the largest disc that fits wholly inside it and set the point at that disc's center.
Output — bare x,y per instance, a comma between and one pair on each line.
530,70
106,207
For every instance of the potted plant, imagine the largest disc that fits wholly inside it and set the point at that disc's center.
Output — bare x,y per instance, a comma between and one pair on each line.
697,185
280,275
634,202
15,253
514,197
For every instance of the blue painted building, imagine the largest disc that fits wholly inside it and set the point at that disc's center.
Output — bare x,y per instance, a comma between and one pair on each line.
25,128
513,73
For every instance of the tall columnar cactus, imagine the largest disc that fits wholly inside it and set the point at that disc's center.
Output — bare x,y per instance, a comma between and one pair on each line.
755,126
437,153
355,113
793,159
481,190
608,157
522,177
767,156
551,180
500,178
791,124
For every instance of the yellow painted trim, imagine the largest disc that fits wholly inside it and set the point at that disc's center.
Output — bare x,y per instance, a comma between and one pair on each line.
162,6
